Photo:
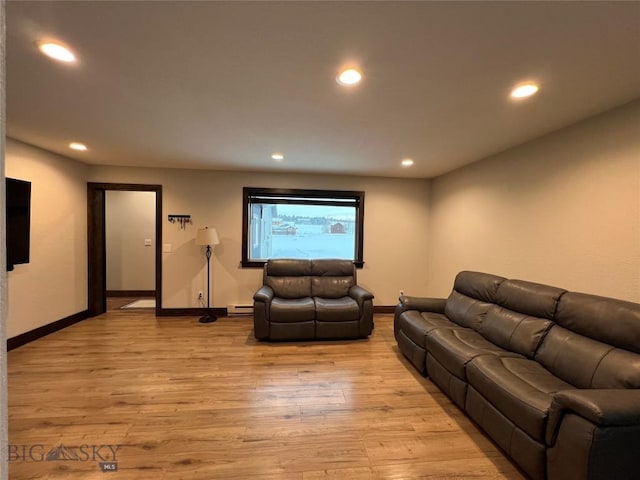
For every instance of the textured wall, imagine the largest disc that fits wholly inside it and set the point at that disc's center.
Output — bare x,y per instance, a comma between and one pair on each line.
53,285
396,225
563,210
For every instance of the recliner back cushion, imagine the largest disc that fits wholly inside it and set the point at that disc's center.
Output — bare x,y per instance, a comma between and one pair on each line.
588,363
290,287
529,298
331,287
466,311
611,321
287,267
332,278
289,278
478,285
514,331
332,268
472,296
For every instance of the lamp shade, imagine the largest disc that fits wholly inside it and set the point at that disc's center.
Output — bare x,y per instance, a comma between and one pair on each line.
207,236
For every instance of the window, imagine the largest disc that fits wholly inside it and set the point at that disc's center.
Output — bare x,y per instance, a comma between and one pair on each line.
301,224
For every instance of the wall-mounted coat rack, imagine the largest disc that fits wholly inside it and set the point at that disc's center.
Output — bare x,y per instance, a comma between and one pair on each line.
182,220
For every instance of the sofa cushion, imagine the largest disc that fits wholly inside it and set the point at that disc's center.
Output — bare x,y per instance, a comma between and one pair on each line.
466,311
332,268
514,331
287,267
416,325
482,286
336,309
331,287
473,293
529,298
611,321
588,363
290,287
454,348
292,310
521,389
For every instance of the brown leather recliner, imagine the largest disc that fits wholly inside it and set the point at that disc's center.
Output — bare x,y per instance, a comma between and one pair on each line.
311,299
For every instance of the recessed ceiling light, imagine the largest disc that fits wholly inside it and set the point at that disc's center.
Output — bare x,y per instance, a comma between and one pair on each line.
278,157
350,76
57,52
524,90
407,162
81,147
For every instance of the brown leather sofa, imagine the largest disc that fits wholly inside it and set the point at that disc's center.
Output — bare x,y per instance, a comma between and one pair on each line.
552,376
311,299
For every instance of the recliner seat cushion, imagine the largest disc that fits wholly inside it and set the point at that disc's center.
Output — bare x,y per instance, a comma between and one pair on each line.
292,310
454,348
336,309
521,389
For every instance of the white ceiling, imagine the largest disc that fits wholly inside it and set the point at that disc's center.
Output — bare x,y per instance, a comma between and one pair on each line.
222,85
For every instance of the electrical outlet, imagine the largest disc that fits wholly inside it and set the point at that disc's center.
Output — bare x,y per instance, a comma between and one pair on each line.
200,295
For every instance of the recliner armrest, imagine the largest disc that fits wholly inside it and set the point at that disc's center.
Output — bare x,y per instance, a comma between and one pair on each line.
264,294
422,304
602,407
359,294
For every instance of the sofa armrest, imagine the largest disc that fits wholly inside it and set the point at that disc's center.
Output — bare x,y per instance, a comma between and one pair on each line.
422,304
264,294
602,407
359,294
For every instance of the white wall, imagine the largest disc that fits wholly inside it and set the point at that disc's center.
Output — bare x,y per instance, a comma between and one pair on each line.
395,238
130,219
54,284
562,210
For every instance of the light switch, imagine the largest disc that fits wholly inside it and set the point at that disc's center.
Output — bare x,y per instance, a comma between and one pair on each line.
166,248
147,242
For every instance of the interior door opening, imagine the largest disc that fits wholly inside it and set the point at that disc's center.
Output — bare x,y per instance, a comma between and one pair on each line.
99,282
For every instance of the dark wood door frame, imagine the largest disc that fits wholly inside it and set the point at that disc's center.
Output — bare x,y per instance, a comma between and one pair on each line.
97,247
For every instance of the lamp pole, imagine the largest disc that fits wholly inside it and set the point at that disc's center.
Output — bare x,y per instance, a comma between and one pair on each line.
208,318
208,237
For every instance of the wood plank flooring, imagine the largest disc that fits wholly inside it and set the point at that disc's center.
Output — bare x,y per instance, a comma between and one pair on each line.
185,400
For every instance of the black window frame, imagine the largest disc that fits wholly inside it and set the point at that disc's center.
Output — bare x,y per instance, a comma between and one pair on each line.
301,197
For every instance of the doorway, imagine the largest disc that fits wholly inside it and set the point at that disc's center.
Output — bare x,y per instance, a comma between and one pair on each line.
97,242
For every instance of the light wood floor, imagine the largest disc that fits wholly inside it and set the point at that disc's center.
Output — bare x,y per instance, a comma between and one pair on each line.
191,401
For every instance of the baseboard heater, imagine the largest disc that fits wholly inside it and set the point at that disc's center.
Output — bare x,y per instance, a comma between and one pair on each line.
244,309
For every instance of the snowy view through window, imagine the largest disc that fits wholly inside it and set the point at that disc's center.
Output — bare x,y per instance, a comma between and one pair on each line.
302,231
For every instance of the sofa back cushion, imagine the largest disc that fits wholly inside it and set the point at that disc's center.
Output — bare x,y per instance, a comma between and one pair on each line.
332,278
588,363
529,298
608,320
289,278
472,296
514,331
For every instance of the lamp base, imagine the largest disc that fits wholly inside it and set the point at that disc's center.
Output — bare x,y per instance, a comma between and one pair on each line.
208,318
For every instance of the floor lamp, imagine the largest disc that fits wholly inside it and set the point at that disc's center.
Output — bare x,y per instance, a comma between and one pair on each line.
209,237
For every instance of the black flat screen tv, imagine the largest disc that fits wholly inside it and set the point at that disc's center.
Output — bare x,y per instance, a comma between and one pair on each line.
18,202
